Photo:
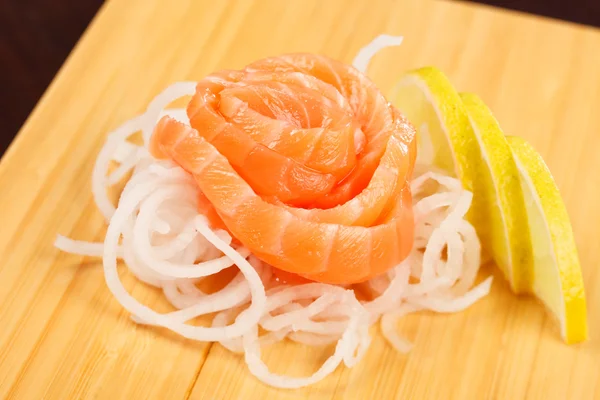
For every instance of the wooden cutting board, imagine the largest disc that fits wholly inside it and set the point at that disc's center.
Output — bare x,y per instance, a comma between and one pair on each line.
63,336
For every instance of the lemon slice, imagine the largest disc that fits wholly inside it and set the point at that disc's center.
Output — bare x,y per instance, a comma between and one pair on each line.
557,278
462,138
444,135
517,209
504,230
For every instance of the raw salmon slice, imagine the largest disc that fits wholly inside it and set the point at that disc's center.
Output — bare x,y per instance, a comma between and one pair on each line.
320,251
304,162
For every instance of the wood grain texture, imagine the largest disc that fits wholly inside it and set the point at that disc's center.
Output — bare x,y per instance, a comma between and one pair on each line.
64,337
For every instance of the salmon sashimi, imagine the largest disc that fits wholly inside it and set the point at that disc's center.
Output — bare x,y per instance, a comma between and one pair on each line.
304,162
319,251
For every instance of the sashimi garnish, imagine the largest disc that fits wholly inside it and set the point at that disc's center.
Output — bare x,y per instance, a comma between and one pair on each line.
161,229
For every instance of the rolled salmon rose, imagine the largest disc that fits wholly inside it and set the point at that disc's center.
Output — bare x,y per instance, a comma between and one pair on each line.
304,162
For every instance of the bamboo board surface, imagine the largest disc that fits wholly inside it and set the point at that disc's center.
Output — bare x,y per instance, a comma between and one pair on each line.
63,335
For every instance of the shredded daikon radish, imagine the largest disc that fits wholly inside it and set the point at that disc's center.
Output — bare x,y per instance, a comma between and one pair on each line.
159,104
364,56
157,230
79,247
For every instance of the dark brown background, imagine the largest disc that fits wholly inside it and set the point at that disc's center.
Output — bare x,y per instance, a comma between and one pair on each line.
37,35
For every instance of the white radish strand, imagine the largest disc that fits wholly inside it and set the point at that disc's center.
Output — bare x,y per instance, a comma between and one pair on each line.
364,56
167,244
99,179
81,247
155,109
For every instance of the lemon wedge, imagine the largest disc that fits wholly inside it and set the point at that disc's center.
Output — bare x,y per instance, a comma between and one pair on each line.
557,278
458,134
